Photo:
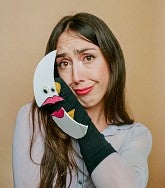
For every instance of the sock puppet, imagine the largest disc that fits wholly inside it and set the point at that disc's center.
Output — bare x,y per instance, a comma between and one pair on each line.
68,113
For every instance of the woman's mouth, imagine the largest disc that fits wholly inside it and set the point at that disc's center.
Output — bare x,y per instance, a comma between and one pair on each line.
83,91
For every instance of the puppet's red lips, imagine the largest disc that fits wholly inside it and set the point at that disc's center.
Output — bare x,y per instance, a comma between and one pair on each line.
58,113
52,100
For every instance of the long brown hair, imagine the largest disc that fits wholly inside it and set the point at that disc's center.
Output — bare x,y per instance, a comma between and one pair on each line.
58,155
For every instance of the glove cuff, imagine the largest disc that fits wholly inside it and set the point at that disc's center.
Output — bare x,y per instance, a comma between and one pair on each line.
94,148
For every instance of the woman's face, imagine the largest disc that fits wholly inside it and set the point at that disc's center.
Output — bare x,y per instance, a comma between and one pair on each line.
82,66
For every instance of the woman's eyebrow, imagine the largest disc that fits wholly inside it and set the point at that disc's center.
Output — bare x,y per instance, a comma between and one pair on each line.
76,51
83,50
61,55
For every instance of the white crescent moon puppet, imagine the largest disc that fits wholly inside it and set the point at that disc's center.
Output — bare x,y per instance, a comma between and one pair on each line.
46,92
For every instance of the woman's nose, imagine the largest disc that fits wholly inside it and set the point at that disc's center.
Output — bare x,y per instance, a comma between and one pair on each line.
77,72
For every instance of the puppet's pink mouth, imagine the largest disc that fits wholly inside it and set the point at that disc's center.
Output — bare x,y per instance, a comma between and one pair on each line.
58,113
52,100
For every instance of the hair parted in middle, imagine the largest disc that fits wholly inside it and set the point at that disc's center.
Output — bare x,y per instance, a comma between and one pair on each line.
58,157
93,29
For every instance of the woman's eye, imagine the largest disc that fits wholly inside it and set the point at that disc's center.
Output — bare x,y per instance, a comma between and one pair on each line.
62,64
88,58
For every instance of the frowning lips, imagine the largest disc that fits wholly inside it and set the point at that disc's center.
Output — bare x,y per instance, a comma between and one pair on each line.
58,113
52,100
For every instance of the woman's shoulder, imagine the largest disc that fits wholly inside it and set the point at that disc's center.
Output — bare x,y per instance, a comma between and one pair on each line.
23,115
139,134
128,133
134,136
25,108
23,119
25,122
135,128
139,128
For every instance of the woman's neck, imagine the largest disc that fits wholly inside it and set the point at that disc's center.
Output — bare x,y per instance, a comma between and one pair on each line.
98,118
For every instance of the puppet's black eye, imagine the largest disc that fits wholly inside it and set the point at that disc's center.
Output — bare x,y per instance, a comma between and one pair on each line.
52,89
46,90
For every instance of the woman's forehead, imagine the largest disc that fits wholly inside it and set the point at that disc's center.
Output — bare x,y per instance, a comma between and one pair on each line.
73,41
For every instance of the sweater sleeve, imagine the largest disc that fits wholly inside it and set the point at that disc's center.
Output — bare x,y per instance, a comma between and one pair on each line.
129,167
25,172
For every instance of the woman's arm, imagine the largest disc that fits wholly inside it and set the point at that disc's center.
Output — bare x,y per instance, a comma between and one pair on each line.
129,168
103,162
26,173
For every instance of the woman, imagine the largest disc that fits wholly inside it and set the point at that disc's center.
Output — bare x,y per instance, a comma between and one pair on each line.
90,61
